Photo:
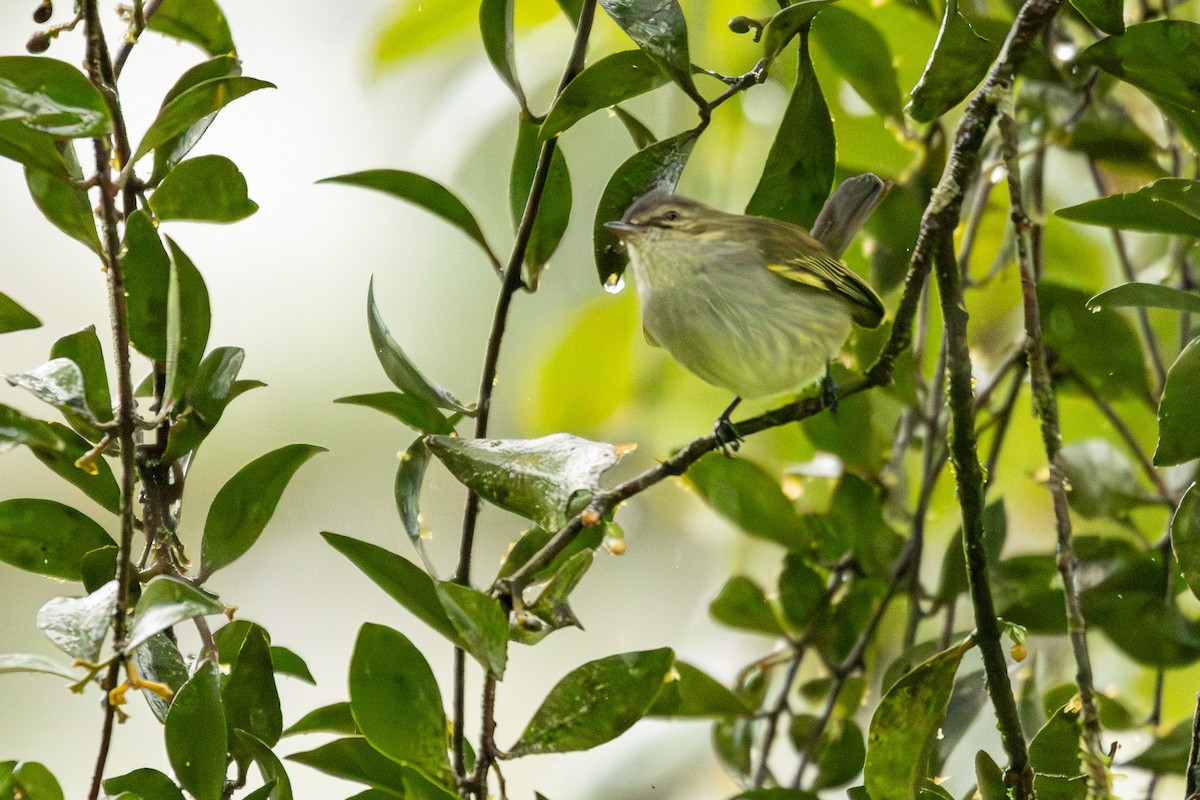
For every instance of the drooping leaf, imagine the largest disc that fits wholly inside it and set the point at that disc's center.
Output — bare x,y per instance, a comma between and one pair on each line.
692,694
481,623
642,136
83,348
191,106
1101,477
552,608
1185,537
146,783
168,601
799,169
659,29
277,784
333,718
1054,755
250,696
743,604
147,269
1178,416
410,475
496,25
172,151
64,202
158,659
51,96
79,625
423,192
400,369
959,61
417,414
13,317
861,54
656,167
354,759
189,318
196,737
1167,753
48,538
396,701
212,388
245,504
1169,205
31,662
742,492
613,79
596,702
204,189
904,728
547,480
200,22
1146,295
554,205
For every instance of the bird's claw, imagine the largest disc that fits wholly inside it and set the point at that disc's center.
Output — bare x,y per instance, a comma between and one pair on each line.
829,393
727,436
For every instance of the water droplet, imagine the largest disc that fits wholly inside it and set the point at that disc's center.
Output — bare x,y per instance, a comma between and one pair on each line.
1097,309
614,284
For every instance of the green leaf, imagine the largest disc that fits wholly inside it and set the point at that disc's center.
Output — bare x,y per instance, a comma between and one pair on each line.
401,579
547,480
355,760
799,170
656,167
552,609
1107,15
904,729
959,61
1178,415
58,382
1146,295
1169,205
496,25
67,459
842,755
596,703
861,54
79,625
743,492
423,192
191,106
1054,756
953,581
172,151
31,662
32,148
742,604
785,24
414,412
13,317
83,347
64,203
1185,537
146,783
333,718
269,766
32,781
288,662
158,659
690,693
205,189
554,206
1102,479
1168,753
200,22
642,136
195,735
16,428
245,504
802,592
250,696
613,79
147,270
481,624
213,387
51,96
48,538
189,318
168,601
396,701
1102,347
989,777
659,29
1160,58
400,369
534,539
733,741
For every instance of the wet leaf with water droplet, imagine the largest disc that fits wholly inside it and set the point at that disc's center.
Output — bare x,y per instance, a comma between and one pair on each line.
1178,411
1169,205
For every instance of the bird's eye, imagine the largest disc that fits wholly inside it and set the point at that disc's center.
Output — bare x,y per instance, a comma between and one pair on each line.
670,216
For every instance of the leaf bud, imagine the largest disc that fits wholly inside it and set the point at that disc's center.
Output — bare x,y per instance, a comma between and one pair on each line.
38,43
43,12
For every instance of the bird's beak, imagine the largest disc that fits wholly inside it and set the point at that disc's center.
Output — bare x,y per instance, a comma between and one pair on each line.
622,230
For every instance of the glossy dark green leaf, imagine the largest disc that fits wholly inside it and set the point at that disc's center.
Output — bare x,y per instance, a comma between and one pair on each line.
596,702
953,581
421,416
32,148
158,659
743,492
249,694
205,189
1169,205
659,29
13,317
535,539
1185,537
288,662
496,25
861,55
1178,415
245,504
172,151
552,609
842,754
554,206
146,783
1102,479
400,369
200,22
48,538
743,605
195,735
481,623
83,347
1167,753
656,167
212,388
79,625
168,601
1054,755
690,693
31,780
613,79
188,318
1146,295
278,786
396,701
857,515
547,480
845,623
93,476
33,663
355,760
16,428
52,97
401,579
147,270
333,718
799,170
420,191
904,728
192,105
1161,58
989,777
802,592
785,24
733,741
1107,15
959,61
1102,346
64,203
642,136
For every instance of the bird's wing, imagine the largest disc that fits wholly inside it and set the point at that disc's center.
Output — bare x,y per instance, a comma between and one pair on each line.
811,265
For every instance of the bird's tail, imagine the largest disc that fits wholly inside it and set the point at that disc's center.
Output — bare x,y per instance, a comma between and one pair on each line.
847,210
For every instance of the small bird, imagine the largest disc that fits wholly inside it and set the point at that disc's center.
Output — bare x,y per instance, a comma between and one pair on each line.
751,304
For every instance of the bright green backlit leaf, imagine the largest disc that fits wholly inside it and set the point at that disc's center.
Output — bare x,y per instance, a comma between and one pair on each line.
32,781
1169,205
180,114
146,783
13,317
245,504
204,189
742,492
333,718
496,26
611,80
959,61
200,22
52,97
1178,413
417,414
743,605
48,538
862,56
692,694
196,737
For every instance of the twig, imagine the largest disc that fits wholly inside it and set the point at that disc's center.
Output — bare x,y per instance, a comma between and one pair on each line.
781,705
141,17
1193,762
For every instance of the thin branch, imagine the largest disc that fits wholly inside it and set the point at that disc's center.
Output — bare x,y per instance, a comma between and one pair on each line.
1193,762
141,16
